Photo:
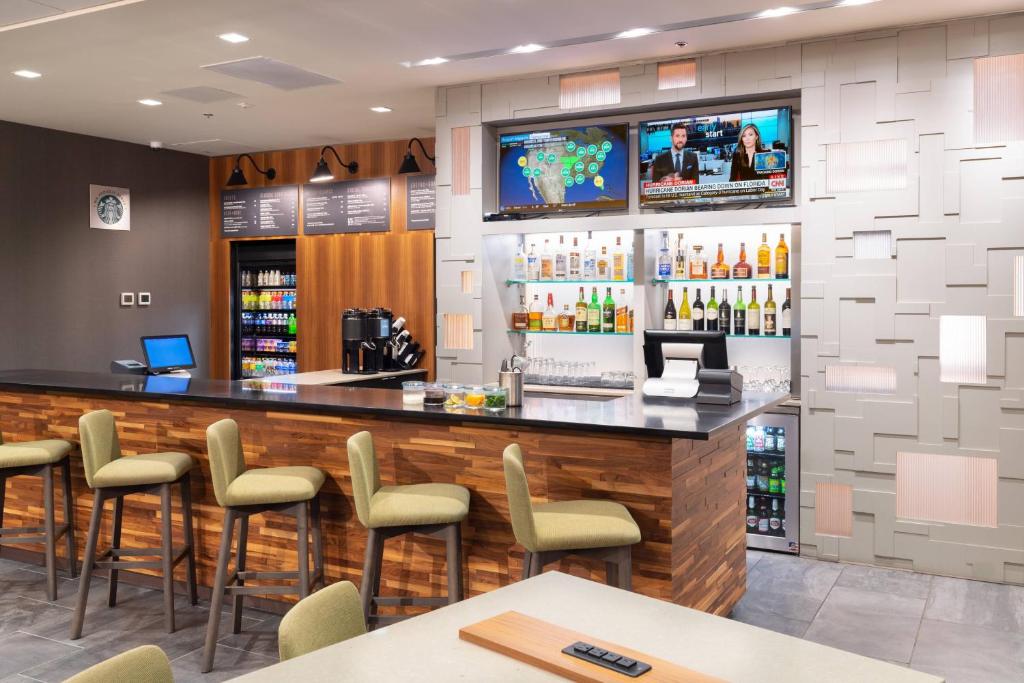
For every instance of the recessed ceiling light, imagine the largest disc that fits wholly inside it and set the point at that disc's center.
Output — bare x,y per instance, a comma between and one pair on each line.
149,102
854,3
635,33
381,110
778,12
526,49
25,73
233,37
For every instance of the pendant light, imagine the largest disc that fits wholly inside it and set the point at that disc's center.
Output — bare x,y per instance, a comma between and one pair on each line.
323,173
238,178
409,164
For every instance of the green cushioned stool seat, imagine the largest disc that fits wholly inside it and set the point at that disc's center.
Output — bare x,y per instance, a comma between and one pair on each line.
415,504
138,470
329,616
579,524
145,664
25,453
270,485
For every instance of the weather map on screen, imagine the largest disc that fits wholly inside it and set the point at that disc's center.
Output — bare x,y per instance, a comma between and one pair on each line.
566,169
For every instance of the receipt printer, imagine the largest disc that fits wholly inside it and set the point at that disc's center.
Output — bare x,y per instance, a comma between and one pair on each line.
128,367
686,364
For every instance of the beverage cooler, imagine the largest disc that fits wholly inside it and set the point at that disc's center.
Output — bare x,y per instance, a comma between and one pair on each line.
264,304
773,490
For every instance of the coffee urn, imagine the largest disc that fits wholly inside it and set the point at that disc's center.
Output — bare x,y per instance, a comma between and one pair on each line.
353,336
378,334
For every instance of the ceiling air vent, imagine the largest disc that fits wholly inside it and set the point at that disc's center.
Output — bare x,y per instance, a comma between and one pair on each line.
271,72
202,93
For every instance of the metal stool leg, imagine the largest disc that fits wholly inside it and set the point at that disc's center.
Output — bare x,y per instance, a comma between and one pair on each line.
49,525
243,547
186,521
217,598
78,619
167,555
115,543
453,538
69,517
371,567
626,568
318,540
526,564
302,515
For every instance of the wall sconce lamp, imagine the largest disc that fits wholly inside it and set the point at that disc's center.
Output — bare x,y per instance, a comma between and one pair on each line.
238,178
409,164
323,173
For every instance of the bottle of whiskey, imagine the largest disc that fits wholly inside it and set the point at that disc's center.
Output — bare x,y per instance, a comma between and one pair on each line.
698,264
575,260
536,314
680,266
561,260
782,258
547,262
739,313
764,259
622,313
753,314
608,312
741,271
711,313
566,319
549,322
618,261
684,321
581,313
769,315
533,264
720,271
521,316
594,313
725,313
698,312
664,259
787,316
604,265
670,313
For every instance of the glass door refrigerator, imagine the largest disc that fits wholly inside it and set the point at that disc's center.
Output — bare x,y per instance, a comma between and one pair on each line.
773,487
264,311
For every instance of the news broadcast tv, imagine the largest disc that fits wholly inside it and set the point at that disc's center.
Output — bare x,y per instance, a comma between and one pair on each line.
713,168
583,168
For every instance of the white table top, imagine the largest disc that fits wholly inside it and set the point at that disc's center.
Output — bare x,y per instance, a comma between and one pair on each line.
427,647
328,377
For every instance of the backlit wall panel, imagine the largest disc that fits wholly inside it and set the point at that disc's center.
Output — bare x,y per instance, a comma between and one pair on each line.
590,89
681,74
953,489
999,99
962,349
872,244
457,331
834,504
1018,286
460,160
866,166
860,379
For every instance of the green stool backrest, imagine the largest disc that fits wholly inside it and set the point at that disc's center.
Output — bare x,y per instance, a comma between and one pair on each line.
227,461
362,462
145,664
100,444
329,616
519,505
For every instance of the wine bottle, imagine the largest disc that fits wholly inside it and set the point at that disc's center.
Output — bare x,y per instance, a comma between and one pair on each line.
739,313
787,316
684,321
711,313
769,315
753,314
670,313
725,313
698,312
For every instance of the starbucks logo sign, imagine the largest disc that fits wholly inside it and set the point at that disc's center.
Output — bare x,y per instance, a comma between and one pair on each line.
109,208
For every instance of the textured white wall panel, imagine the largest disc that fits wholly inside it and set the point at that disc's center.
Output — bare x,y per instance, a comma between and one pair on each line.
962,349
866,166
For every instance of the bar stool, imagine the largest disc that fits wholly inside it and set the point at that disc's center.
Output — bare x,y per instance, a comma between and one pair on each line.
41,458
112,476
291,490
599,529
329,616
144,664
435,510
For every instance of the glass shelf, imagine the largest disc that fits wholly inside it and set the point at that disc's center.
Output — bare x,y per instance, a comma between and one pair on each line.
260,288
757,336
712,281
578,334
568,282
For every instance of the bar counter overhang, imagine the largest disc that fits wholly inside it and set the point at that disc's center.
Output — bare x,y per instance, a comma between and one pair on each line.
680,469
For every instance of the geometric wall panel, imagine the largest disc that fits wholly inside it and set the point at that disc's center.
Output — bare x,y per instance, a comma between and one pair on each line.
866,166
867,379
953,489
460,160
467,282
872,244
1018,286
834,509
962,349
458,331
998,99
589,89
679,74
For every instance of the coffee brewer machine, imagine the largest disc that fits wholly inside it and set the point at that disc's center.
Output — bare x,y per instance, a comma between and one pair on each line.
374,341
353,336
376,352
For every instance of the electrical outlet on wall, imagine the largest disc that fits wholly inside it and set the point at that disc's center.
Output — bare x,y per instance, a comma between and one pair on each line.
127,298
144,298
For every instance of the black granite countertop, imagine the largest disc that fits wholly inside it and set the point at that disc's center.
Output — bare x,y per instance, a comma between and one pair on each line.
622,415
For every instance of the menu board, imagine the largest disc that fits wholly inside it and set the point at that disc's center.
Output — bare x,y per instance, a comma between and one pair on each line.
347,206
420,202
259,211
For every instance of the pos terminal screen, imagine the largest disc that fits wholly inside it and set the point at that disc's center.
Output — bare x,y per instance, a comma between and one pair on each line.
171,352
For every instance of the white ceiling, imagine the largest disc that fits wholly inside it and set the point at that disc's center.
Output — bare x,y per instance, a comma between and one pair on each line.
95,66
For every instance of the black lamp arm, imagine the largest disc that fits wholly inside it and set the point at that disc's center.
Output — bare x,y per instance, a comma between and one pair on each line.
352,166
422,148
238,162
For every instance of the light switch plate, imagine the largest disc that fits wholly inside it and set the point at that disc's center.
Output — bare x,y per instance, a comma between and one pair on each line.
127,298
144,298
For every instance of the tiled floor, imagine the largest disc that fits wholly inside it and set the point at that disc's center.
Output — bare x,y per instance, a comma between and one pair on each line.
967,631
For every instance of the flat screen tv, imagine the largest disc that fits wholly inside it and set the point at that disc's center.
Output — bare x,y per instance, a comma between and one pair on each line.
713,159
583,168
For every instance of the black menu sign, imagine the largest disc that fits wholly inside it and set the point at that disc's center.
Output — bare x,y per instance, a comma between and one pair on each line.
420,202
347,206
259,211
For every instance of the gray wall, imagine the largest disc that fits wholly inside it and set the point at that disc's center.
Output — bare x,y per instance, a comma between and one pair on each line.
60,280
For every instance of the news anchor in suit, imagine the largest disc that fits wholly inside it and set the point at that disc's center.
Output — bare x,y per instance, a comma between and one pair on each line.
676,163
743,157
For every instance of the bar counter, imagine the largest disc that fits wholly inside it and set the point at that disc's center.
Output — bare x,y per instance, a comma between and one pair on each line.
680,469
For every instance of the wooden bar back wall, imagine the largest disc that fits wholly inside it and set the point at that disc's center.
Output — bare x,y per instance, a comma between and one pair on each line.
393,269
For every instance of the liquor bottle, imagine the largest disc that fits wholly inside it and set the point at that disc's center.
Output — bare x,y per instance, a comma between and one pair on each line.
782,258
604,265
711,313
533,264
787,316
581,313
773,480
629,264
763,523
536,314
764,259
618,261
561,260
769,315
565,319
622,313
684,320
680,261
548,320
670,313
589,260
519,264
720,271
775,521
751,473
594,313
575,260
751,516
739,314
664,259
608,312
742,271
521,316
698,312
725,314
547,262
698,264
753,314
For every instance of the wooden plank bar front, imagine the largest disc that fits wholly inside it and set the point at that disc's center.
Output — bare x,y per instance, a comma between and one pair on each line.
687,496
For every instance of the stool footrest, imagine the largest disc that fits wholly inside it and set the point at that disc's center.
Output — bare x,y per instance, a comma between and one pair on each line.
37,534
102,563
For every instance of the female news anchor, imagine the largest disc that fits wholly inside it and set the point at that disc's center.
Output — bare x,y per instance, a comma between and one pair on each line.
743,157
